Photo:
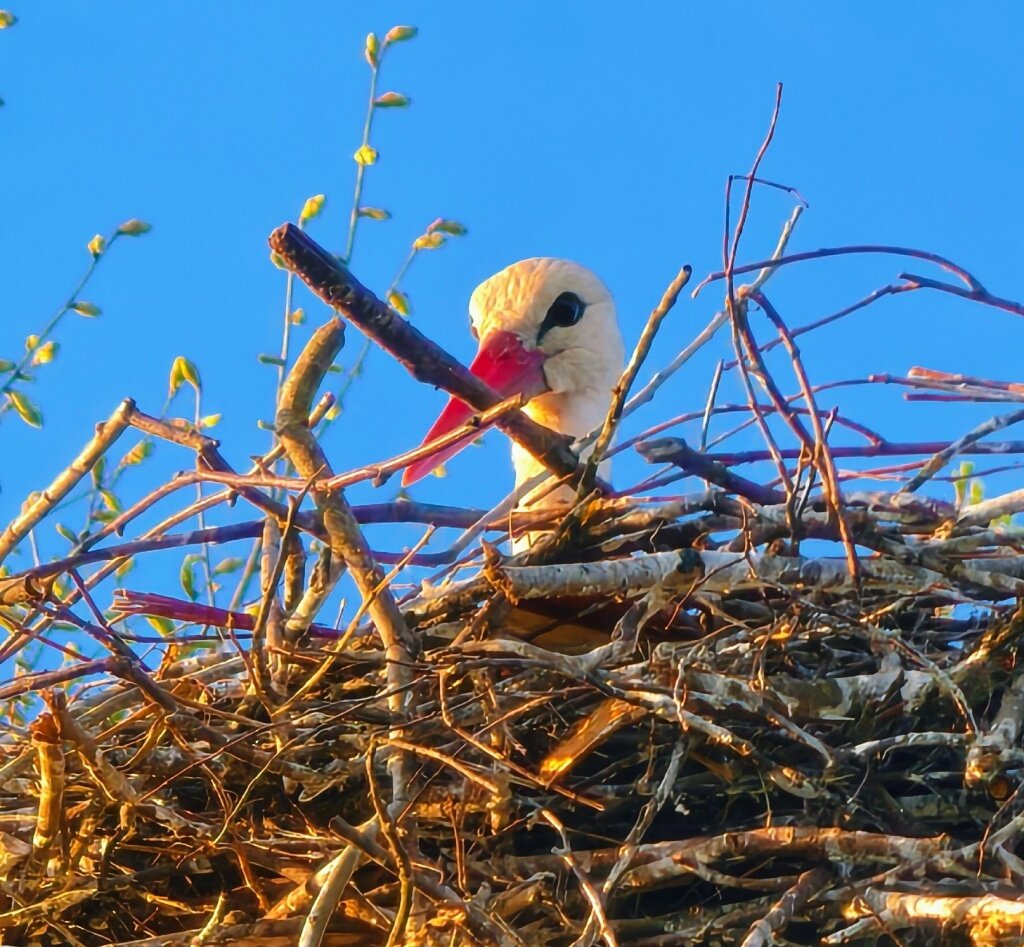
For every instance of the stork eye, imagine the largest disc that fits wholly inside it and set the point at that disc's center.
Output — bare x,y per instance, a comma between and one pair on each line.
565,311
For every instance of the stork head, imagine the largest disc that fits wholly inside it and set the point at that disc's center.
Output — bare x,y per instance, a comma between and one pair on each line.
546,329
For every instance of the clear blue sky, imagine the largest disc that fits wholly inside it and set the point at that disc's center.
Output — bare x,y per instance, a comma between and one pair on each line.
564,129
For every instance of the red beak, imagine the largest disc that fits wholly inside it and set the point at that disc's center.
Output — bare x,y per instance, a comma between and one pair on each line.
510,368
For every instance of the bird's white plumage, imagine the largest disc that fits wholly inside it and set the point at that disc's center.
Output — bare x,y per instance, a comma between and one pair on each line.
582,362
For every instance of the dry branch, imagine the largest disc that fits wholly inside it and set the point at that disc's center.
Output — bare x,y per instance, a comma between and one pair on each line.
691,719
426,361
42,503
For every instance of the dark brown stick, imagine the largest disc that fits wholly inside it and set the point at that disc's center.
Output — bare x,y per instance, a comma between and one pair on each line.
422,358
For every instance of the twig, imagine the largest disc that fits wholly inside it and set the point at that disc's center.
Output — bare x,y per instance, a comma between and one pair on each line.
625,382
855,249
762,933
944,456
106,434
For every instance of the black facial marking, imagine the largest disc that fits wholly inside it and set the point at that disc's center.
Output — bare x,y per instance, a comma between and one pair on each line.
566,310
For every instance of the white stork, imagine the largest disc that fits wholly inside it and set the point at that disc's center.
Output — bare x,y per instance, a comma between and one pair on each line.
546,329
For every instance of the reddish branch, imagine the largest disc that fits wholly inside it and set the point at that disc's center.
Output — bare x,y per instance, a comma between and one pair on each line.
127,602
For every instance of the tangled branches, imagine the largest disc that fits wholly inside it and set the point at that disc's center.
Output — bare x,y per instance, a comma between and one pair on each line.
775,710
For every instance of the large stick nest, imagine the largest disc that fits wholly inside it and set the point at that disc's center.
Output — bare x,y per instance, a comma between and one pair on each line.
759,713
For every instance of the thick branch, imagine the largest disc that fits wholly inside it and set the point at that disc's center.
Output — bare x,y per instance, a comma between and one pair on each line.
423,359
346,540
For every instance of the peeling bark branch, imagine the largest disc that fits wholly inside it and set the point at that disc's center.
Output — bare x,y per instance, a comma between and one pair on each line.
38,507
346,540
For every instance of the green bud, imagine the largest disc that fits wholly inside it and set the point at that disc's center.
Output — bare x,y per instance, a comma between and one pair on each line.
162,626
97,245
374,213
7,19
428,241
134,227
400,303
187,576
91,310
45,353
228,565
137,454
110,501
184,371
312,208
68,534
27,410
451,227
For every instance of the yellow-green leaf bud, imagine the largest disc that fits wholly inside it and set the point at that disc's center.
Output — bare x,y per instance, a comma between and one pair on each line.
312,207
366,155
398,34
26,408
391,100
45,353
451,227
134,227
84,308
183,371
372,49
400,303
428,241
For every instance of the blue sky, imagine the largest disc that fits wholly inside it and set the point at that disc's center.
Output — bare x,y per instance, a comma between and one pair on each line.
548,129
